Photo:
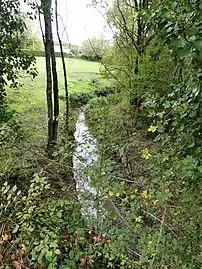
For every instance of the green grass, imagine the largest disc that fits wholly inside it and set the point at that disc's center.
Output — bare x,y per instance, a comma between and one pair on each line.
29,101
26,155
30,98
80,73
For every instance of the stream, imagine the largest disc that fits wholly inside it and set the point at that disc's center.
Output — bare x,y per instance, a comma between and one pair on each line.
85,156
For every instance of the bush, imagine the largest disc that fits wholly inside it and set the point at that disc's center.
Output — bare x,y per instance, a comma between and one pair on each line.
39,229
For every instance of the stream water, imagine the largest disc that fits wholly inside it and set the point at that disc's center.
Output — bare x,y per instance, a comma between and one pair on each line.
85,156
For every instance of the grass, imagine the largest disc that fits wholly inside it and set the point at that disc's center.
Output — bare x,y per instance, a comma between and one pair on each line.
78,71
29,101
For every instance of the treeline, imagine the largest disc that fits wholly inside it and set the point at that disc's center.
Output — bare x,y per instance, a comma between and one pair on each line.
92,49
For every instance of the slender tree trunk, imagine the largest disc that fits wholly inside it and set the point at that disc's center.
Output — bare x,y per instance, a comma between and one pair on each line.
55,94
64,69
46,6
51,75
139,43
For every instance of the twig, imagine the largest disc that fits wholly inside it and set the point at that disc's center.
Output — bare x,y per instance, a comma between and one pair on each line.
123,86
159,238
160,222
121,217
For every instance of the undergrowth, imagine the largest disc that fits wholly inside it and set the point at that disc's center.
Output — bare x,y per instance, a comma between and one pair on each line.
148,186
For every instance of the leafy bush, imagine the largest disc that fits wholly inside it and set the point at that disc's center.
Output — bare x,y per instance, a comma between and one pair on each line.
39,229
160,205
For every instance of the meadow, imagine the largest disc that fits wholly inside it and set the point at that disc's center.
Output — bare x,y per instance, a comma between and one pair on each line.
29,105
80,73
29,100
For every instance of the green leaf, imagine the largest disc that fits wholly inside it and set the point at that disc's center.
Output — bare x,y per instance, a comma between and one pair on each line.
169,29
184,52
16,228
14,188
111,193
198,45
59,214
49,256
54,244
57,251
71,254
72,263
167,104
77,257
178,43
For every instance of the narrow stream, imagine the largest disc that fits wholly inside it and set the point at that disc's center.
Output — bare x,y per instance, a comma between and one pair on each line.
85,156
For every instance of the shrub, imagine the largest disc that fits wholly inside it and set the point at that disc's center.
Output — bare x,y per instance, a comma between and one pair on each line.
40,229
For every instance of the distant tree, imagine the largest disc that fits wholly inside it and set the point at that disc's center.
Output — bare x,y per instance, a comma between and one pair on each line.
30,38
75,50
93,49
12,58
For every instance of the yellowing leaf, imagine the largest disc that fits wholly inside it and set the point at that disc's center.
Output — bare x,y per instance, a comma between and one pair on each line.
138,219
132,196
23,247
145,154
156,204
144,194
111,193
6,237
166,159
152,128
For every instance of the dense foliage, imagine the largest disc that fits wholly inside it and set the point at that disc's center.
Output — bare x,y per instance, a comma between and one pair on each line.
93,49
161,95
12,58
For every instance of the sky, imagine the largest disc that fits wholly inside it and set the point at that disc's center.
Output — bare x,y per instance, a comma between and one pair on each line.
81,21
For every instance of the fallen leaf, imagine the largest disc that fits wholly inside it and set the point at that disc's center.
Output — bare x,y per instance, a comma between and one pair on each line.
156,204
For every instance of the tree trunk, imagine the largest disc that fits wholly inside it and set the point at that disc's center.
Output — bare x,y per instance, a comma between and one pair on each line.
51,75
64,69
55,94
46,6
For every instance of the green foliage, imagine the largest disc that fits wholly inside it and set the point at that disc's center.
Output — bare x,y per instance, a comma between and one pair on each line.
96,87
75,51
40,229
93,49
160,205
30,37
24,151
12,59
148,176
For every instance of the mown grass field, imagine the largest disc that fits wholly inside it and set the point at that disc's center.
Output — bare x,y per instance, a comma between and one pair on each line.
29,101
80,73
